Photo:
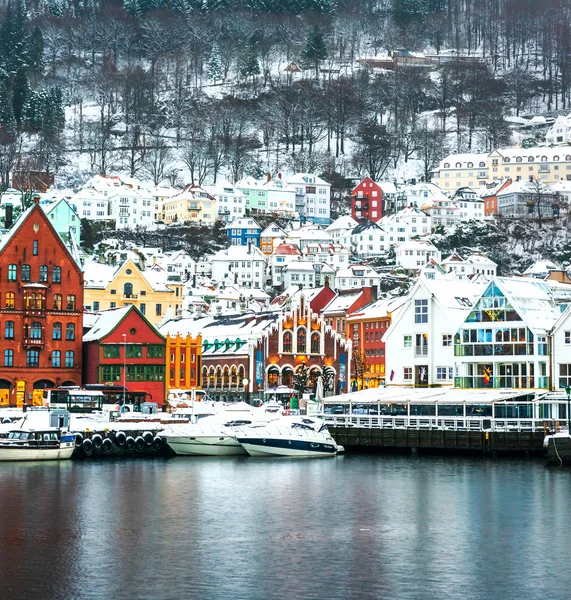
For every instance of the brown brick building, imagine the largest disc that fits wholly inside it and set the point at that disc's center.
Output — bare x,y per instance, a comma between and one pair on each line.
41,311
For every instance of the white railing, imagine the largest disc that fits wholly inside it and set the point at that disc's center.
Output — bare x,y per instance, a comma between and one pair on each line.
442,423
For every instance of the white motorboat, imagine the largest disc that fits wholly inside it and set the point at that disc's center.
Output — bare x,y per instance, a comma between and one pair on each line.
41,444
216,435
289,436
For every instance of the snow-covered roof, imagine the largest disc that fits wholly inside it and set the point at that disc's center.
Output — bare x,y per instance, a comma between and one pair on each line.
353,270
453,258
273,230
343,223
524,187
536,153
249,252
380,309
212,328
461,161
388,187
534,300
106,323
306,178
425,245
300,265
480,259
342,302
243,223
492,188
541,267
368,226
286,250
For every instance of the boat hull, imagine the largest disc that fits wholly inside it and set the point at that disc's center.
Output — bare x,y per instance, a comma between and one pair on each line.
30,454
284,447
216,445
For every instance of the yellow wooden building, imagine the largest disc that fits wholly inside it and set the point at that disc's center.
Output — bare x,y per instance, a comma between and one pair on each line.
192,205
153,291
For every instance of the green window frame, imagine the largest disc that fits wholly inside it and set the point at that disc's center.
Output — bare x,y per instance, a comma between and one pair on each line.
134,350
145,372
111,351
111,373
155,351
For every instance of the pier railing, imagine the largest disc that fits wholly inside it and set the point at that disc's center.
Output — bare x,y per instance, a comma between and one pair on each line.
445,423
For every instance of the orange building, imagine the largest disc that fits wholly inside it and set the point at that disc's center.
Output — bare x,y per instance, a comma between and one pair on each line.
490,196
183,354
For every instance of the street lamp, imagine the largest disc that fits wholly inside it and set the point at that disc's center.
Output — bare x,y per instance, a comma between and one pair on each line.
124,368
245,383
568,390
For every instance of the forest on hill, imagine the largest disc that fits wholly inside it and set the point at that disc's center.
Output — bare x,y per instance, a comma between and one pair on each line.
192,90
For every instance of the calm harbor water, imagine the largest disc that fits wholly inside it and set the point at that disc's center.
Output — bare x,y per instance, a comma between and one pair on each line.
240,528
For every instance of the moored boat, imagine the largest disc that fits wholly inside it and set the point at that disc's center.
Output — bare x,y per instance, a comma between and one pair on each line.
290,436
41,444
216,435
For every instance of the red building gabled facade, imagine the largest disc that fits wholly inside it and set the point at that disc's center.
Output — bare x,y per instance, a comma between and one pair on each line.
124,348
41,311
367,201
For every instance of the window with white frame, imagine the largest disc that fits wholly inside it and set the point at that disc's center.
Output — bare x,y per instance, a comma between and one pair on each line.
407,374
407,341
568,337
421,311
447,339
443,373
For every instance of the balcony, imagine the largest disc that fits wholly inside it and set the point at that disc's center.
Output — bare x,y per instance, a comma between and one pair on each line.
544,169
30,342
421,350
129,296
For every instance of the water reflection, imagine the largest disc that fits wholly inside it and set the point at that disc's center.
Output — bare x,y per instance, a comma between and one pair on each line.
351,527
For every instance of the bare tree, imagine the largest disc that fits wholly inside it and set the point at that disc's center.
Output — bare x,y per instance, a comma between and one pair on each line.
159,159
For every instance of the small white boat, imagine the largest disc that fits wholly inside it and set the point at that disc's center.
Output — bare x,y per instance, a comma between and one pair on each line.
216,435
289,436
41,444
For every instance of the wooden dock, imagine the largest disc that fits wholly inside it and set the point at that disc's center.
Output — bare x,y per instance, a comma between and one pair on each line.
363,439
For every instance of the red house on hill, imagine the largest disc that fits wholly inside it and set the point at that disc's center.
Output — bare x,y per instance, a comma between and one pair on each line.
123,348
367,201
41,311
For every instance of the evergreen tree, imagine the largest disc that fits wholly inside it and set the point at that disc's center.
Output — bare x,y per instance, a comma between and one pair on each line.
7,120
20,91
133,7
315,49
214,68
249,64
36,51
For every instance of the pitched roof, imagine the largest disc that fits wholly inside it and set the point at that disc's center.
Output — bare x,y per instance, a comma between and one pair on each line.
106,322
344,222
287,250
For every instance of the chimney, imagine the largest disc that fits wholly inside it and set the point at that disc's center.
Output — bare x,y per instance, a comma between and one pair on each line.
194,280
279,175
36,198
8,216
249,246
268,177
219,309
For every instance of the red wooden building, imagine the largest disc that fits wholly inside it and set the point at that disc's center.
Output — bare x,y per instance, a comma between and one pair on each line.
367,201
123,348
41,311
